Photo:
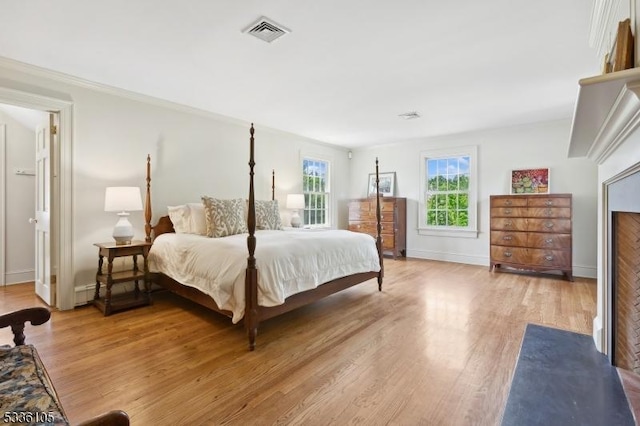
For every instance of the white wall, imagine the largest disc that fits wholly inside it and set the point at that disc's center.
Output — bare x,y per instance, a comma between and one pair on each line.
193,153
20,201
499,151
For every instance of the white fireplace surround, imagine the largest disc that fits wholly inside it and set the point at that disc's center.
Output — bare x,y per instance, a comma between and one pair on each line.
605,129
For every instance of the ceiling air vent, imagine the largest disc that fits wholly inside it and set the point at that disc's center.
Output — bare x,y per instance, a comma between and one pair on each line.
412,115
267,30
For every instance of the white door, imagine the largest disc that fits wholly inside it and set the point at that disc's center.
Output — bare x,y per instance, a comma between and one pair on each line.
45,135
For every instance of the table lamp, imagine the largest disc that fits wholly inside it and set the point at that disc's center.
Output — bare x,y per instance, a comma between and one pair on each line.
295,202
123,199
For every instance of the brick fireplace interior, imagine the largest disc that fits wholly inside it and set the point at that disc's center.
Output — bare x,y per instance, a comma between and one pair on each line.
624,273
626,300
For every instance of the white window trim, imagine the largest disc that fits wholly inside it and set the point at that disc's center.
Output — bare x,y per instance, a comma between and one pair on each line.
330,206
468,232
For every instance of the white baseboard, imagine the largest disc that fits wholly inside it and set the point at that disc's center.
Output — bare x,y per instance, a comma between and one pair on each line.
19,277
578,271
84,293
448,257
585,271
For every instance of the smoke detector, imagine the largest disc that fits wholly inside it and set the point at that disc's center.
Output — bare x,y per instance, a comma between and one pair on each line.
411,115
266,29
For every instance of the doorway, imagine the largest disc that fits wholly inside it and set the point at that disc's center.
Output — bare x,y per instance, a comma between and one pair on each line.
62,221
22,258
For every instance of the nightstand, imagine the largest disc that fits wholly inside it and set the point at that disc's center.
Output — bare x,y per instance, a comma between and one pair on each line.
114,303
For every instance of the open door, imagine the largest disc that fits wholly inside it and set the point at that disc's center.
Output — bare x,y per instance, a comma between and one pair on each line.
45,283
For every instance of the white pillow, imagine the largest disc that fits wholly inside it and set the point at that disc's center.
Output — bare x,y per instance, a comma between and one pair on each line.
198,219
181,218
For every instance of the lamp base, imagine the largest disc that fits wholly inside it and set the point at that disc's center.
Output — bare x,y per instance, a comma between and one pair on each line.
120,241
296,221
123,231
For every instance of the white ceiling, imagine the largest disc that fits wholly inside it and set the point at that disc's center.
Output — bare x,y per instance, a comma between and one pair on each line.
344,73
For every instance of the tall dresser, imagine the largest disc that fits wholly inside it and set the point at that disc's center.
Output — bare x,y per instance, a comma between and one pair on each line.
393,219
532,232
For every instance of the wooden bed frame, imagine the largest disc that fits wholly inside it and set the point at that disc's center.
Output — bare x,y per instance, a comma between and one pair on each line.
254,313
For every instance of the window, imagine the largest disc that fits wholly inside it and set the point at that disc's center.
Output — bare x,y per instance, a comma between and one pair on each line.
315,186
448,192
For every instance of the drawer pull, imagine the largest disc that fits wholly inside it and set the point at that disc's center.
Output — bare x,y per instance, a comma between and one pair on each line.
549,241
507,254
548,225
548,258
507,238
548,203
548,212
508,223
507,211
507,202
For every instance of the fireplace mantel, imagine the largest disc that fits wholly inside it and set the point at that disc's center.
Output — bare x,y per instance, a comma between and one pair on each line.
606,129
606,112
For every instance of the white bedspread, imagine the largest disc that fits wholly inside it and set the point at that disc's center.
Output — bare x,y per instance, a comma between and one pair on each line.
288,262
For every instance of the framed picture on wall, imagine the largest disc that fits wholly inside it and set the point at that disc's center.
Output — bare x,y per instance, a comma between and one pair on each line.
530,181
387,184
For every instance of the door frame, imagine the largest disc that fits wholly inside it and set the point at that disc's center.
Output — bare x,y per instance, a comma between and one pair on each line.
3,211
63,200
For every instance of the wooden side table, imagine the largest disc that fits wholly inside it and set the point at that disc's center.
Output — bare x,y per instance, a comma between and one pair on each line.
114,303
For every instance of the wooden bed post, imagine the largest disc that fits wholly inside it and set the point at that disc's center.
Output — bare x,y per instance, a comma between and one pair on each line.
164,224
379,230
147,203
251,279
273,184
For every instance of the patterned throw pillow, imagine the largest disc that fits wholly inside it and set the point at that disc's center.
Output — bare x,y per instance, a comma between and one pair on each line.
268,215
224,217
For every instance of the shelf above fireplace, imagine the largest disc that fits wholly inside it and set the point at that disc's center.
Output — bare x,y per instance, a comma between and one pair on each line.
607,110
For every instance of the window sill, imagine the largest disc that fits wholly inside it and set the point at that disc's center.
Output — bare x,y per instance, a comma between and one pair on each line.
455,233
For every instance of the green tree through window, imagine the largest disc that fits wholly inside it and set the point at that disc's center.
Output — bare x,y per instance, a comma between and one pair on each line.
447,192
315,186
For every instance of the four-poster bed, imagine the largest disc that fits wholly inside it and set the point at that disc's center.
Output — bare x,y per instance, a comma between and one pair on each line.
362,252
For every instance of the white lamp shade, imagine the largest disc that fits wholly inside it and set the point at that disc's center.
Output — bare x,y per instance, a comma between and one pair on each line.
295,201
122,199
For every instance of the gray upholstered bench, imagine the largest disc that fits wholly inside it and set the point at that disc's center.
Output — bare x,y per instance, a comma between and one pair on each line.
27,395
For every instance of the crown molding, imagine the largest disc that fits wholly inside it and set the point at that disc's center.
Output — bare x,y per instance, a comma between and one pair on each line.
71,80
45,73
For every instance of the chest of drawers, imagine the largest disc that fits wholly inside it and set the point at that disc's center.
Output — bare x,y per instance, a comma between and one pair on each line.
393,219
531,232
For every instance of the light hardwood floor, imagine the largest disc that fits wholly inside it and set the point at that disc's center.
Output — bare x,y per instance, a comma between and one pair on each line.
437,346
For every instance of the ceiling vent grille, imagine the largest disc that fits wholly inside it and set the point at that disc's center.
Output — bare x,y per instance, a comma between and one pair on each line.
266,29
412,115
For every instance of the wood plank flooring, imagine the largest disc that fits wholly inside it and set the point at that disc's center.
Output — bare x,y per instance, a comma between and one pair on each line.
437,346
